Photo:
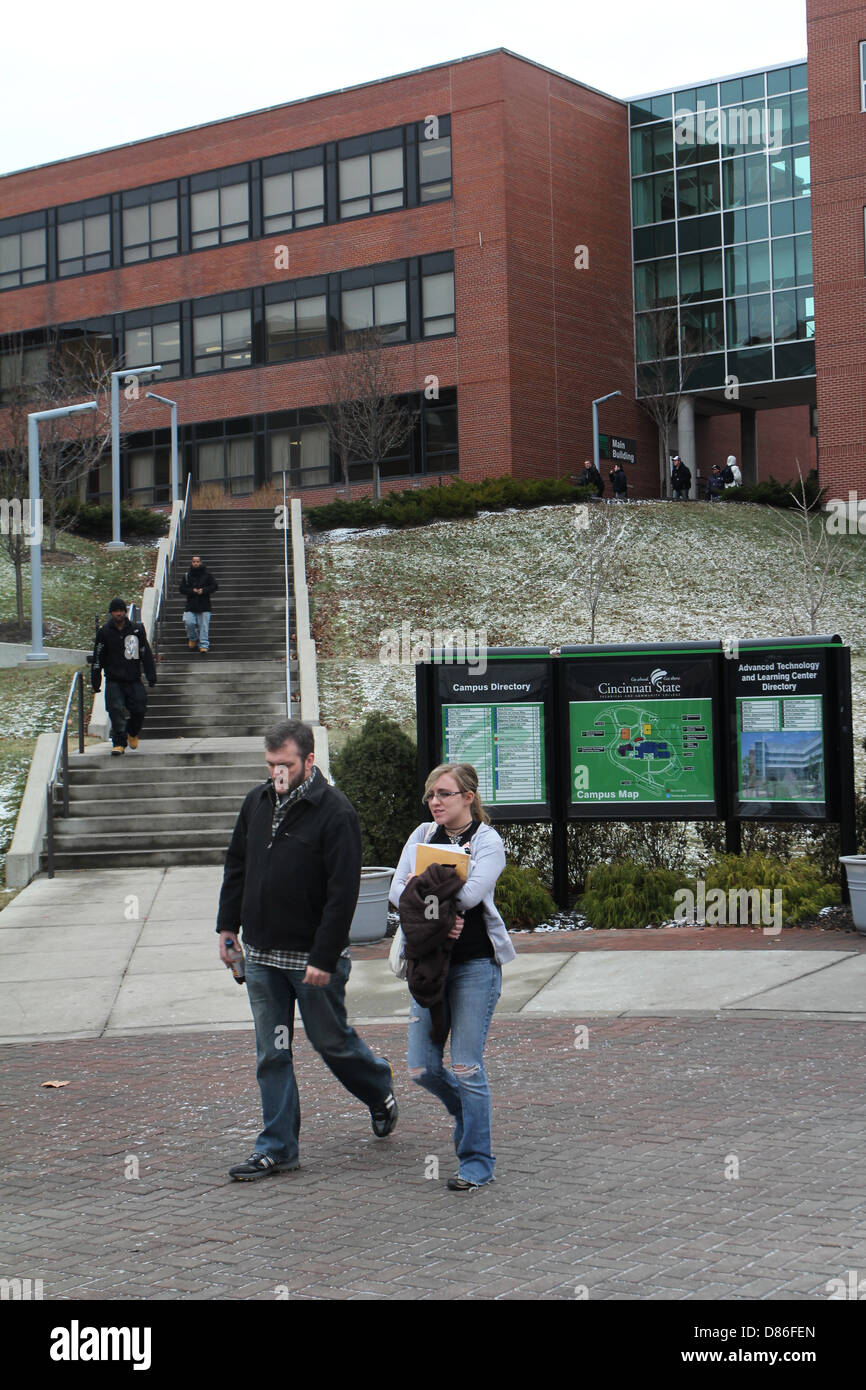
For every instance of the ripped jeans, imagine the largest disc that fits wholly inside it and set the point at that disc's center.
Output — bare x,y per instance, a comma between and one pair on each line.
471,992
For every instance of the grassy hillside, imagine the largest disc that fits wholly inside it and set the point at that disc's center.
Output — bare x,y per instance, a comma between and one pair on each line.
687,571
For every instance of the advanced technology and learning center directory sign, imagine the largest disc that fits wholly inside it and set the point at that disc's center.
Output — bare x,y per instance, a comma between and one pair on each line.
751,729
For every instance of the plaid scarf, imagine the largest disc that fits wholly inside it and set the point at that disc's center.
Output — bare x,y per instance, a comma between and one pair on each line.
288,799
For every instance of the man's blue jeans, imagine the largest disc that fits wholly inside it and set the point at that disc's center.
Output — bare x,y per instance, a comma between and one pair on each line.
272,993
197,627
471,992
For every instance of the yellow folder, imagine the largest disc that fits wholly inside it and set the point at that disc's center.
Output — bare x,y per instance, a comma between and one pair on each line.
458,859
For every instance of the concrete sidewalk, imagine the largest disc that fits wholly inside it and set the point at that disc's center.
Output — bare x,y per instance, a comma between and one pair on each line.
109,954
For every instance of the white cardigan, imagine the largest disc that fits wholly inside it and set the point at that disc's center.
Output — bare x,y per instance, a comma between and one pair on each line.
487,860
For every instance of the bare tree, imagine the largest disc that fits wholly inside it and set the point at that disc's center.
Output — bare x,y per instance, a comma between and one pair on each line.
819,564
599,536
365,417
661,380
70,446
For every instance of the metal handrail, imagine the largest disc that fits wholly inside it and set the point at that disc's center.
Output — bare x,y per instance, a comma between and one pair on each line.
167,566
288,628
61,756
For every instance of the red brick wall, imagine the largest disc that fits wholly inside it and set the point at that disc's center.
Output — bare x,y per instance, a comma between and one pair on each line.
571,329
783,437
837,134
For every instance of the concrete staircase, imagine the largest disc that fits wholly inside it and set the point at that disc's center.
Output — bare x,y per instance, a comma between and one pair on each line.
175,799
155,807
239,686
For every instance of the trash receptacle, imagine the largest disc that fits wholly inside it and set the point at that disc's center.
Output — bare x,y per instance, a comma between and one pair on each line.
855,868
370,922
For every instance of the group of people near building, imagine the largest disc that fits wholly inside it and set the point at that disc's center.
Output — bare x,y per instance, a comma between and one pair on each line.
591,477
721,476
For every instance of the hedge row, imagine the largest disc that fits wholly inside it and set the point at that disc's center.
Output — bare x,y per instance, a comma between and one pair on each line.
772,493
457,498
95,520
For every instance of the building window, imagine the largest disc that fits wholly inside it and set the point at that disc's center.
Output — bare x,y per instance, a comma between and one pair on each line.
303,454
437,296
148,476
296,328
23,259
863,77
84,238
382,307
219,207
371,174
701,276
793,315
293,196
229,462
434,159
150,223
222,339
655,284
153,342
22,368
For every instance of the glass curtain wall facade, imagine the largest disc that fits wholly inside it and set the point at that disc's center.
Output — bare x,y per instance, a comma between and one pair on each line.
722,241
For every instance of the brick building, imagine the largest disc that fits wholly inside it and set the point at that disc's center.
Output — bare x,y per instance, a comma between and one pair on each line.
477,214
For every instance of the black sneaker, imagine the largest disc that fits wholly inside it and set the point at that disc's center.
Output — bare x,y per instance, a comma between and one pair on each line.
383,1116
260,1166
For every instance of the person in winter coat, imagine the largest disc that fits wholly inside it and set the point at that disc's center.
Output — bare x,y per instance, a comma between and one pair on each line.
481,946
121,650
715,484
736,475
197,586
681,479
291,881
619,483
590,477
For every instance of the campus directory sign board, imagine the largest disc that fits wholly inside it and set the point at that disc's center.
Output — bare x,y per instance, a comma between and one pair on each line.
785,725
639,732
752,729
499,719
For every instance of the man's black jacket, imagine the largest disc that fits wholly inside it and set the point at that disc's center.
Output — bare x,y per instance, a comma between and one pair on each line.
121,652
198,577
299,891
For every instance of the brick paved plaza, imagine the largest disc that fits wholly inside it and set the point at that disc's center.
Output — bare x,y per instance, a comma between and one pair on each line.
611,1175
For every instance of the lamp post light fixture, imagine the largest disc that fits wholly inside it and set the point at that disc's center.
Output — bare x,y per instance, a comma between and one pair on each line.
132,373
175,481
595,405
38,652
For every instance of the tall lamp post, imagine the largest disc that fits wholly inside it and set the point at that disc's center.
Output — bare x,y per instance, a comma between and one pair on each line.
595,405
116,543
38,652
175,482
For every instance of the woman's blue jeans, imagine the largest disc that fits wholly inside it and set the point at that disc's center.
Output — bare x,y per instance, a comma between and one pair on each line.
272,994
471,992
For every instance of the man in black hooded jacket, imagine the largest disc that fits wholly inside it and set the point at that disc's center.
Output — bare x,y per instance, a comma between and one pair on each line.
121,650
197,586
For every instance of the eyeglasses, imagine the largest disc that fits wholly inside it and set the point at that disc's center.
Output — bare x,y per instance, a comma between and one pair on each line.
438,796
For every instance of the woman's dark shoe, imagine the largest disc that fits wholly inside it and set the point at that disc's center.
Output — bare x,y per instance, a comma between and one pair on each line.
458,1184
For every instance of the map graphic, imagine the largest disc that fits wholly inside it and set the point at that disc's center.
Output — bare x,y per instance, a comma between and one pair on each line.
644,750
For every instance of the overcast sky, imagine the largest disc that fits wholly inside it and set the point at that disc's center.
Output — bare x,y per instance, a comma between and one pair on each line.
77,78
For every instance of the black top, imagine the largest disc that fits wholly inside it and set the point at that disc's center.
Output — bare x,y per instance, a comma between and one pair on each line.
473,942
121,652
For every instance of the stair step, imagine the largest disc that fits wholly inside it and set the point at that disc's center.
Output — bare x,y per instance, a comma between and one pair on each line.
133,858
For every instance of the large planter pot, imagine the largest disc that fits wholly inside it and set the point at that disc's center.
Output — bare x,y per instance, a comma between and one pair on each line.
370,922
855,868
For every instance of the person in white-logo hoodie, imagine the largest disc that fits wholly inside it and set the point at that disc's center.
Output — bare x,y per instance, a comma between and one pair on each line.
481,947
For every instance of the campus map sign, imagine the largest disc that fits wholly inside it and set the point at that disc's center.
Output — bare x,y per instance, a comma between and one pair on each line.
641,736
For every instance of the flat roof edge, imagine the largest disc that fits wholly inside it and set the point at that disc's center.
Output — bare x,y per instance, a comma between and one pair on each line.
728,77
